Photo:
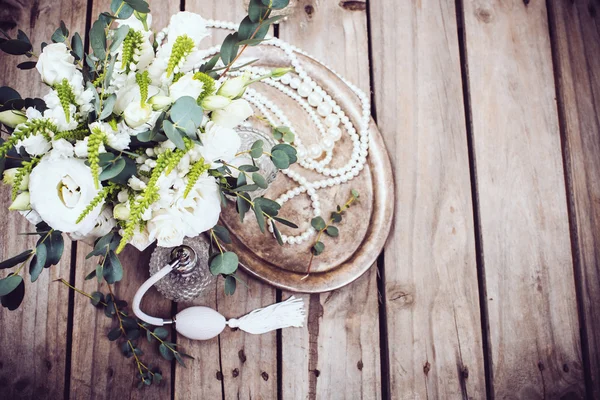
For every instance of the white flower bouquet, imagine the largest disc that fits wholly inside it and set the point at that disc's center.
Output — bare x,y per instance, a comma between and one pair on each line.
135,142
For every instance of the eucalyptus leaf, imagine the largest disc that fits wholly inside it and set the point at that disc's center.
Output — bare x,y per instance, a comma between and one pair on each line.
125,9
229,48
127,172
222,233
277,233
113,169
11,262
107,106
285,222
98,39
186,109
268,206
15,47
248,168
332,231
243,206
27,65
165,352
257,149
22,36
173,134
114,334
58,36
55,246
276,4
161,332
9,284
109,71
113,270
225,263
318,248
230,284
288,150
260,217
257,10
97,298
38,261
139,6
280,159
247,28
318,223
77,46
260,180
118,37
13,300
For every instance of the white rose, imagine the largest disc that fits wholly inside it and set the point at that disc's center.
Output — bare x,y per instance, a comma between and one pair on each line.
219,143
140,239
34,145
202,207
234,87
137,115
61,148
55,64
186,86
167,227
234,114
60,191
104,224
187,23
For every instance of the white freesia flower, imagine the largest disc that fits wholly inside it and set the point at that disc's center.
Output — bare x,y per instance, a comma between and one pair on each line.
35,145
167,227
61,148
234,114
104,224
81,148
187,23
219,143
202,207
186,86
60,191
55,64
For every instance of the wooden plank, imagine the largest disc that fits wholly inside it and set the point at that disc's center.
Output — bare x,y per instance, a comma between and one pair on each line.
337,354
431,292
34,337
243,365
576,45
533,322
99,370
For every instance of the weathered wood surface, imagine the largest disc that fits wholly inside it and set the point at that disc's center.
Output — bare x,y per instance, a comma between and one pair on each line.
433,321
434,342
33,340
336,355
534,345
576,45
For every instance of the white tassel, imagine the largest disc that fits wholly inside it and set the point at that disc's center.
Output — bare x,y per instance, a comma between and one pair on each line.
276,316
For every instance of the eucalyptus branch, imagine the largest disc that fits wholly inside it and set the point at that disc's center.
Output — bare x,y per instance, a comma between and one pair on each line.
260,21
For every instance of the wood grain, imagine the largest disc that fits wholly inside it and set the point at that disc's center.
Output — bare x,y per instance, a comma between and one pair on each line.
33,338
576,45
433,322
534,329
336,355
98,368
237,365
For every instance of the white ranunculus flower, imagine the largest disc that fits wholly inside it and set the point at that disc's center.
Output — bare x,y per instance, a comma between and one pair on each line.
136,114
167,227
219,143
202,207
55,64
104,224
34,145
186,86
61,148
187,23
234,114
60,191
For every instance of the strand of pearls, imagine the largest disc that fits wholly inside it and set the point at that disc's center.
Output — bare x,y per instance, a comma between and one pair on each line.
326,115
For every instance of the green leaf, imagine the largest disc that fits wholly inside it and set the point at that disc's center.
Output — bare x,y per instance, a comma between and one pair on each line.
113,270
118,37
77,46
129,323
161,332
225,263
280,159
127,172
288,150
222,233
248,168
173,134
58,36
257,149
179,359
318,223
10,283
260,180
139,5
268,206
318,248
133,335
98,39
165,352
332,231
22,36
230,284
276,4
91,275
156,378
277,233
286,222
113,169
210,64
38,261
27,65
107,106
109,72
126,9
355,194
97,298
64,29
15,47
257,10
247,28
229,48
184,111
114,334
11,262
336,217
13,300
260,217
272,20
243,206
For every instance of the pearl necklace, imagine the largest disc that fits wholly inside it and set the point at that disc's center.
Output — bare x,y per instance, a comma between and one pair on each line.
326,115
